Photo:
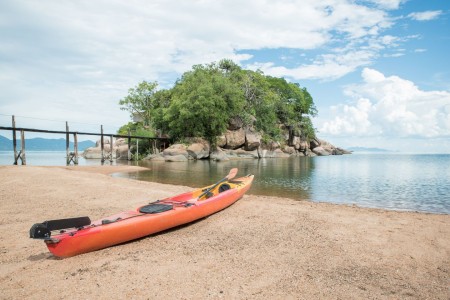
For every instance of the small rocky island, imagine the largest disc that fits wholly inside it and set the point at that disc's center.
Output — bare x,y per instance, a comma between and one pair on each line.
238,142
220,111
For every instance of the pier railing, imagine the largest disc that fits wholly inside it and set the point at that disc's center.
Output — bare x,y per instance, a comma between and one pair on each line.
157,143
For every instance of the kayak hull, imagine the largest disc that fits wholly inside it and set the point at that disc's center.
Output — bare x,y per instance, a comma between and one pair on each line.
131,225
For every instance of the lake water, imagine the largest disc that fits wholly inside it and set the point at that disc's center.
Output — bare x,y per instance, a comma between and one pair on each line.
391,181
43,158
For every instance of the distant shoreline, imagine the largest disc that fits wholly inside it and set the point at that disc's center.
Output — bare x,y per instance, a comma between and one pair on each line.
43,144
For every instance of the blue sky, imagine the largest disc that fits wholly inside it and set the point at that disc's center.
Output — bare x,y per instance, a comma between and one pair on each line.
378,70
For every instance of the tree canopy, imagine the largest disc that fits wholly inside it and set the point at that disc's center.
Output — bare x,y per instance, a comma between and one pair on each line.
139,102
205,98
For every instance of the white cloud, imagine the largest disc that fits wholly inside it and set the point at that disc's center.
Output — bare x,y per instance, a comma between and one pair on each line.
396,54
172,35
326,67
425,15
391,107
88,53
342,61
355,120
388,39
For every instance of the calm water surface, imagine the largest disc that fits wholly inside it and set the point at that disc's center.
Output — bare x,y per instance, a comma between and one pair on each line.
43,158
392,181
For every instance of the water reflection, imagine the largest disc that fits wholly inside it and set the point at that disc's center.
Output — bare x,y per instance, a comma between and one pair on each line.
402,182
288,177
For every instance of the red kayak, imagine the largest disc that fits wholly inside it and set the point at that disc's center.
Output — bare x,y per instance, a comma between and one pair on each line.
69,237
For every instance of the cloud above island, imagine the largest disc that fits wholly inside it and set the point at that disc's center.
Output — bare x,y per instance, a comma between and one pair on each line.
87,40
87,54
425,15
74,60
390,106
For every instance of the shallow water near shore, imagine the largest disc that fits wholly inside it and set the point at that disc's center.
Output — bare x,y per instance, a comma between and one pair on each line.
390,181
43,158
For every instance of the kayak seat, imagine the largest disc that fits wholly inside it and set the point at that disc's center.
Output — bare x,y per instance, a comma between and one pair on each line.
224,187
155,208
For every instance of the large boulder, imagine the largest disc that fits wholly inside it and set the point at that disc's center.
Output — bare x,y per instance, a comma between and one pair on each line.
92,153
252,140
221,141
330,149
314,143
235,138
289,150
106,141
271,145
175,150
96,152
320,151
198,150
120,142
340,151
175,158
122,152
309,153
303,146
327,146
218,155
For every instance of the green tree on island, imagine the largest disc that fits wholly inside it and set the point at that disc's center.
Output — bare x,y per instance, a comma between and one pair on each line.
204,99
139,102
202,103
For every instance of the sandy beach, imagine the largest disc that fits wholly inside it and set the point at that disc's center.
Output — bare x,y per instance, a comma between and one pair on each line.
259,248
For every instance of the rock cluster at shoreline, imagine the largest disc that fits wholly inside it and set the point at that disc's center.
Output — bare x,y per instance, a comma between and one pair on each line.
203,150
238,142
120,149
241,142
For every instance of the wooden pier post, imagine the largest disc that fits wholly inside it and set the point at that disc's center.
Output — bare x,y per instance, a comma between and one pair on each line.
16,157
75,147
22,156
105,155
71,156
137,150
102,144
111,147
129,145
68,158
155,147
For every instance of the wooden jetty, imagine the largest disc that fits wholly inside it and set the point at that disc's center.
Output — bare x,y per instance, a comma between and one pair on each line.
72,156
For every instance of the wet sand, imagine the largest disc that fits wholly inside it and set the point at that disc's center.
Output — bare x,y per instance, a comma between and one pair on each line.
259,248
